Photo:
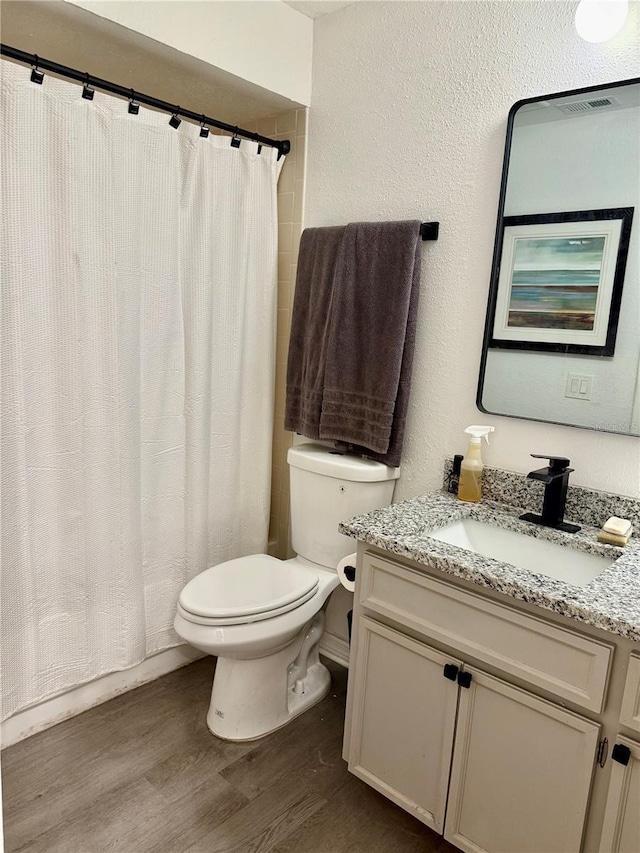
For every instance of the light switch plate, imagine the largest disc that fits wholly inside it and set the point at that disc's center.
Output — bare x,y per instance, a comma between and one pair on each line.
578,386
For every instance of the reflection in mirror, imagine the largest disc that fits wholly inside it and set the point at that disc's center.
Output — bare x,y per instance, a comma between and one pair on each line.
562,340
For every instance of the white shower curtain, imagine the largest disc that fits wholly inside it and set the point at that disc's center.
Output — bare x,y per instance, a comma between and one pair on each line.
138,324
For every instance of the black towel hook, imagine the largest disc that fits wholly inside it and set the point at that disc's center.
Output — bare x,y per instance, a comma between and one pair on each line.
174,121
134,108
87,91
36,76
204,131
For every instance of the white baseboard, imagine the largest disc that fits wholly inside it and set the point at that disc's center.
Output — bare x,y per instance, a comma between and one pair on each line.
35,719
334,648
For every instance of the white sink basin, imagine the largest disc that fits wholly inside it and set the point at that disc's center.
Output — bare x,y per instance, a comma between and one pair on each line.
525,552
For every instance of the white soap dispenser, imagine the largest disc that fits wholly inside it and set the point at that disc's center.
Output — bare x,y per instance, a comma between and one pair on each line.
470,487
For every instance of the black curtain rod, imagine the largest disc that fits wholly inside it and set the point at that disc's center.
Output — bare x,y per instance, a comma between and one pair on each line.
283,146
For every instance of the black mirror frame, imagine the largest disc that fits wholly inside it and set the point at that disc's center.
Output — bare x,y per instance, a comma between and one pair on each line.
497,246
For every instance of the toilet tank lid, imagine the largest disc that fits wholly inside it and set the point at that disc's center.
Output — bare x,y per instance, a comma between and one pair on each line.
343,466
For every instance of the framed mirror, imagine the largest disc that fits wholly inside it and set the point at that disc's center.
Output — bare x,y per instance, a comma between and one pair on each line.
562,334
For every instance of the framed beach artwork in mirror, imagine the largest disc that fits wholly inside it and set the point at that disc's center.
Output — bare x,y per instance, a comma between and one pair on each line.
560,281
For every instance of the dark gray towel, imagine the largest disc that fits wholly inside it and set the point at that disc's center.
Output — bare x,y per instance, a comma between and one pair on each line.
370,357
317,260
349,370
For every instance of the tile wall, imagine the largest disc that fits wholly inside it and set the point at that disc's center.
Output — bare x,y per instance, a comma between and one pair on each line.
291,125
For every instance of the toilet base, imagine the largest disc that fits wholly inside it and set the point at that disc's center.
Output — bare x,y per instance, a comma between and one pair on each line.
252,698
321,678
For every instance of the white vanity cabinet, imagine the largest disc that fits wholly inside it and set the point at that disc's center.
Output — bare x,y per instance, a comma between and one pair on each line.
621,830
482,760
421,718
404,720
630,715
521,771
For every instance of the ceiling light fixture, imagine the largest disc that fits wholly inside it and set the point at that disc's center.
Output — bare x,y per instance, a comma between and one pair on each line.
600,20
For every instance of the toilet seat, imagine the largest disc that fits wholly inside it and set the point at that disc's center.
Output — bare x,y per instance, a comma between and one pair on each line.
247,589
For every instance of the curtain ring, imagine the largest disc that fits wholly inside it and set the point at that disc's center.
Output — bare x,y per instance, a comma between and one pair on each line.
174,121
204,131
36,76
235,139
87,91
134,108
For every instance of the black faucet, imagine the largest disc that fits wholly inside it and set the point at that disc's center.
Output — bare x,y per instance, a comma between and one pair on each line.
556,480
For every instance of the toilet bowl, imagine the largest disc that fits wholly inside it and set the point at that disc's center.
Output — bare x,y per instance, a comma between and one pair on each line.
263,618
268,670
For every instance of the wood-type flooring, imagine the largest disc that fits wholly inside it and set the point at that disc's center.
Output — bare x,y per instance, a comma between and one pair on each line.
142,774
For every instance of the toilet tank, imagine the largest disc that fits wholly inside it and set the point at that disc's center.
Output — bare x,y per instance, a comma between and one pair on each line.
328,487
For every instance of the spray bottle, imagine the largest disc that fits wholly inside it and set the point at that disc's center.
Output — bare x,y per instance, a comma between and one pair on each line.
470,488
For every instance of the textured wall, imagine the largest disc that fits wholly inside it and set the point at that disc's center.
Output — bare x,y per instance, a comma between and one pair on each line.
408,117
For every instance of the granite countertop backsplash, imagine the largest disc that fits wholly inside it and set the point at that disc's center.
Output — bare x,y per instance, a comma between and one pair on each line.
611,601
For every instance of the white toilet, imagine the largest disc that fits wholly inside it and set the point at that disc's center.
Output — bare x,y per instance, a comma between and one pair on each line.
263,617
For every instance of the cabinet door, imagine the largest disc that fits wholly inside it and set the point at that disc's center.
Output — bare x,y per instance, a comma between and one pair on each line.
621,830
521,772
630,713
403,721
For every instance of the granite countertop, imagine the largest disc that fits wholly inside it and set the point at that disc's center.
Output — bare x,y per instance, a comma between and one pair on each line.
611,601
